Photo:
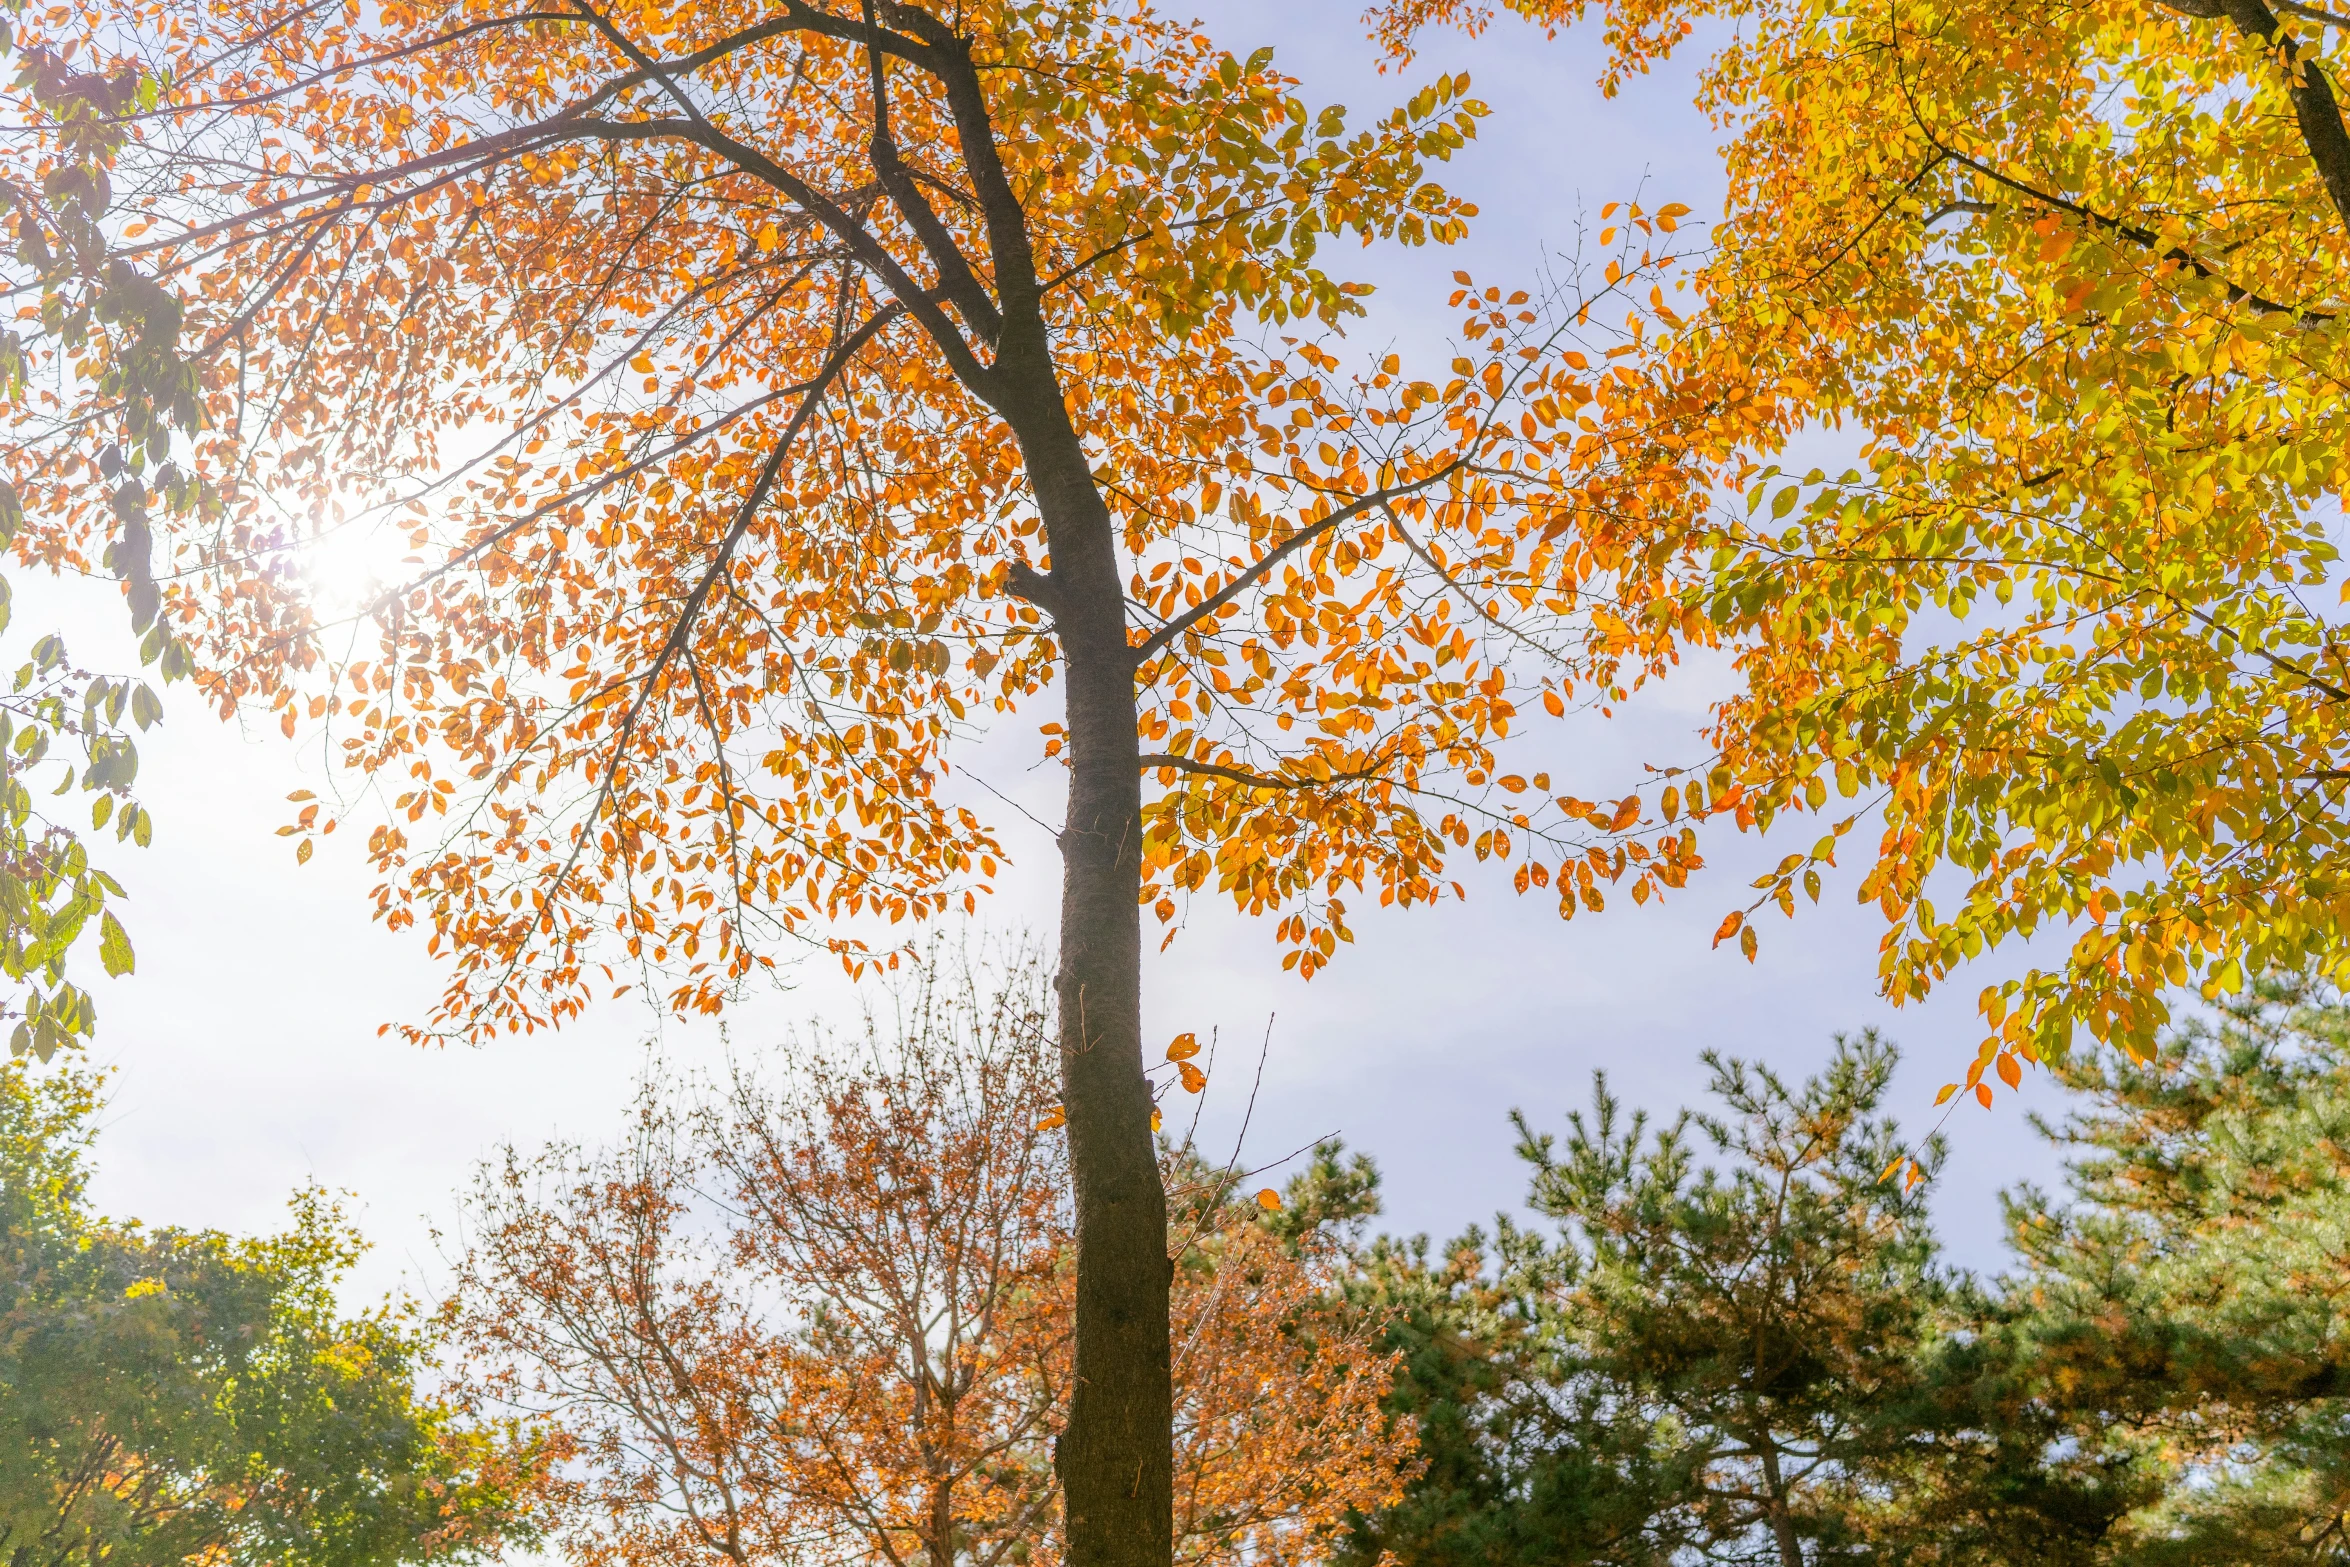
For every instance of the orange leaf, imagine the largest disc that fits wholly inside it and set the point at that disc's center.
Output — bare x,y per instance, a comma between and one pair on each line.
1184,1048
1269,1200
1729,927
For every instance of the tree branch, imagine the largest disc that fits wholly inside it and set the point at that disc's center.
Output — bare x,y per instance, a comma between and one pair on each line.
1255,573
956,277
1024,581
2306,87
690,611
1017,289
2132,232
1185,764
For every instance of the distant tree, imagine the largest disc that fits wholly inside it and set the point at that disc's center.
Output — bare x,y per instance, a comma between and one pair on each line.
1706,1363
2185,1310
1524,1462
1762,1317
1765,1362
830,1322
169,1397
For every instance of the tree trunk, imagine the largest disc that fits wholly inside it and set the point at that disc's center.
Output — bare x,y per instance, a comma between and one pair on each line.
2315,110
1782,1521
1115,1455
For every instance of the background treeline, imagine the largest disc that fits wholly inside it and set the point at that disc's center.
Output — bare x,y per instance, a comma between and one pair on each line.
818,1311
1735,1341
172,1396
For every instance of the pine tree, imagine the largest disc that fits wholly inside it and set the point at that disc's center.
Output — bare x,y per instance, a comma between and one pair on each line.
2185,1310
1713,1362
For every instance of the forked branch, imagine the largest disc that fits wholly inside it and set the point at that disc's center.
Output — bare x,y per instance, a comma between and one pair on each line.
1256,572
1185,764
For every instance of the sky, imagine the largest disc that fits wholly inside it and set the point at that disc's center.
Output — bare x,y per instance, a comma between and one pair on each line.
246,1048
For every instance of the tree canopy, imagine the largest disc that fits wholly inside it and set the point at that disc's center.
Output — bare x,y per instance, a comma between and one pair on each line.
748,402
2059,289
820,1312
1741,1344
170,1396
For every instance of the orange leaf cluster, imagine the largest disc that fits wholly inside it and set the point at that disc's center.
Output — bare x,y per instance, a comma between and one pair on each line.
666,379
832,1323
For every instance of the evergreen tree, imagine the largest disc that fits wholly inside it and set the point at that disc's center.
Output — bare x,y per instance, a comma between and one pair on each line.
1741,1346
2188,1310
1708,1361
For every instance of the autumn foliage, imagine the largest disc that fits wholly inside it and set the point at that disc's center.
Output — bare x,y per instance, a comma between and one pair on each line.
668,453
830,1320
729,409
2058,292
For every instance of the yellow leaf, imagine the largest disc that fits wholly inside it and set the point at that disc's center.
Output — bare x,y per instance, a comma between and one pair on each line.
1269,1200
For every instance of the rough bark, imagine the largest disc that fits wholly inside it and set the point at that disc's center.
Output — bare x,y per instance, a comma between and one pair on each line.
1115,1456
2315,108
1115,1453
1783,1534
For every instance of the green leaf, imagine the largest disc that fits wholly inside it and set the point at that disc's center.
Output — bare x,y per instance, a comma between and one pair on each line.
114,946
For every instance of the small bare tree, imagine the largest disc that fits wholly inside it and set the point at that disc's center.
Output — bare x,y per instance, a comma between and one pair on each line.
830,1321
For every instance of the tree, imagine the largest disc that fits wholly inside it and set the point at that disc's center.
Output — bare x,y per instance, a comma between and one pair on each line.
768,395
1708,1363
1524,1460
831,1321
2067,281
1757,1362
2159,1378
2180,1310
168,1397
1765,1315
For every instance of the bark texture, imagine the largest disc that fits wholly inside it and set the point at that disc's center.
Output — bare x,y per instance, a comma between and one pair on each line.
1114,1455
2315,109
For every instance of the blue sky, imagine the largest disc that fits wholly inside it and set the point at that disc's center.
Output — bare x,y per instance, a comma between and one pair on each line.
247,1047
